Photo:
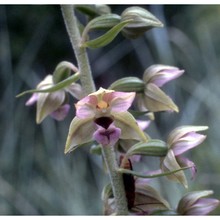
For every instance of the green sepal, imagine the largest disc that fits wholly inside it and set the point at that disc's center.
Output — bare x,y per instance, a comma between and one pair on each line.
128,84
134,173
102,22
170,163
107,37
80,132
129,127
151,148
156,100
58,86
63,71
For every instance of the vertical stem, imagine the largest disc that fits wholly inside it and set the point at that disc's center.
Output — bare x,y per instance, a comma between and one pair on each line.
80,53
116,180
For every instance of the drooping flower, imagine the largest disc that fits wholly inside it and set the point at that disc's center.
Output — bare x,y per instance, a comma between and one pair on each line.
193,203
103,116
179,141
53,103
153,98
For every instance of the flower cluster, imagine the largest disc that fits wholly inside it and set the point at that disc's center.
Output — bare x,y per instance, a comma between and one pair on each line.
104,119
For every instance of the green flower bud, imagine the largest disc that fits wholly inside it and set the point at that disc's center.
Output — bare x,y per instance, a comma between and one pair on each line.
128,84
143,20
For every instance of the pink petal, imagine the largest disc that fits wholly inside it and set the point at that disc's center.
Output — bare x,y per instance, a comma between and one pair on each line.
86,107
107,136
187,142
185,162
165,76
32,99
203,206
121,101
61,112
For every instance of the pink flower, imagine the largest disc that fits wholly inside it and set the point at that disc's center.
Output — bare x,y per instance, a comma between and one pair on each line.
53,103
103,116
193,203
153,98
179,141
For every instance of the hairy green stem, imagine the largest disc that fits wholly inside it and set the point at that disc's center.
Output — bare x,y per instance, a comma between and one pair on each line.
80,53
116,180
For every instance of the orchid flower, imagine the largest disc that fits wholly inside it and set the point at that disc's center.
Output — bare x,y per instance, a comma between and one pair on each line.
54,103
153,98
193,203
179,141
103,116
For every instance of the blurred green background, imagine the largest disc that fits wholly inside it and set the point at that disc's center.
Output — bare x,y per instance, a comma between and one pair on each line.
35,175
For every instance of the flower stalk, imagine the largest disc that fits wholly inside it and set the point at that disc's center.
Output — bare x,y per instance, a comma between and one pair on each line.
80,52
116,180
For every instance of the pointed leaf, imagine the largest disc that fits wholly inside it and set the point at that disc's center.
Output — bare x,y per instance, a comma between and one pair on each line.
102,22
151,148
58,86
93,10
107,37
134,173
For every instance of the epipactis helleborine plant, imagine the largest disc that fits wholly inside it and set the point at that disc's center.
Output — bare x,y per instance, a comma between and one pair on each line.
103,116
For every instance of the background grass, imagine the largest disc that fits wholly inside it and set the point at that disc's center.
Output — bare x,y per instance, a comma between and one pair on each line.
35,175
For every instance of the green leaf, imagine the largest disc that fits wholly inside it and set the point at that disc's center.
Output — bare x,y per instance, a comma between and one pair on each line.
58,86
93,10
63,71
128,84
106,21
134,173
107,37
151,148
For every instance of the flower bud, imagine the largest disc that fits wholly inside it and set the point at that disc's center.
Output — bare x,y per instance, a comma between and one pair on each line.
128,84
143,20
193,203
